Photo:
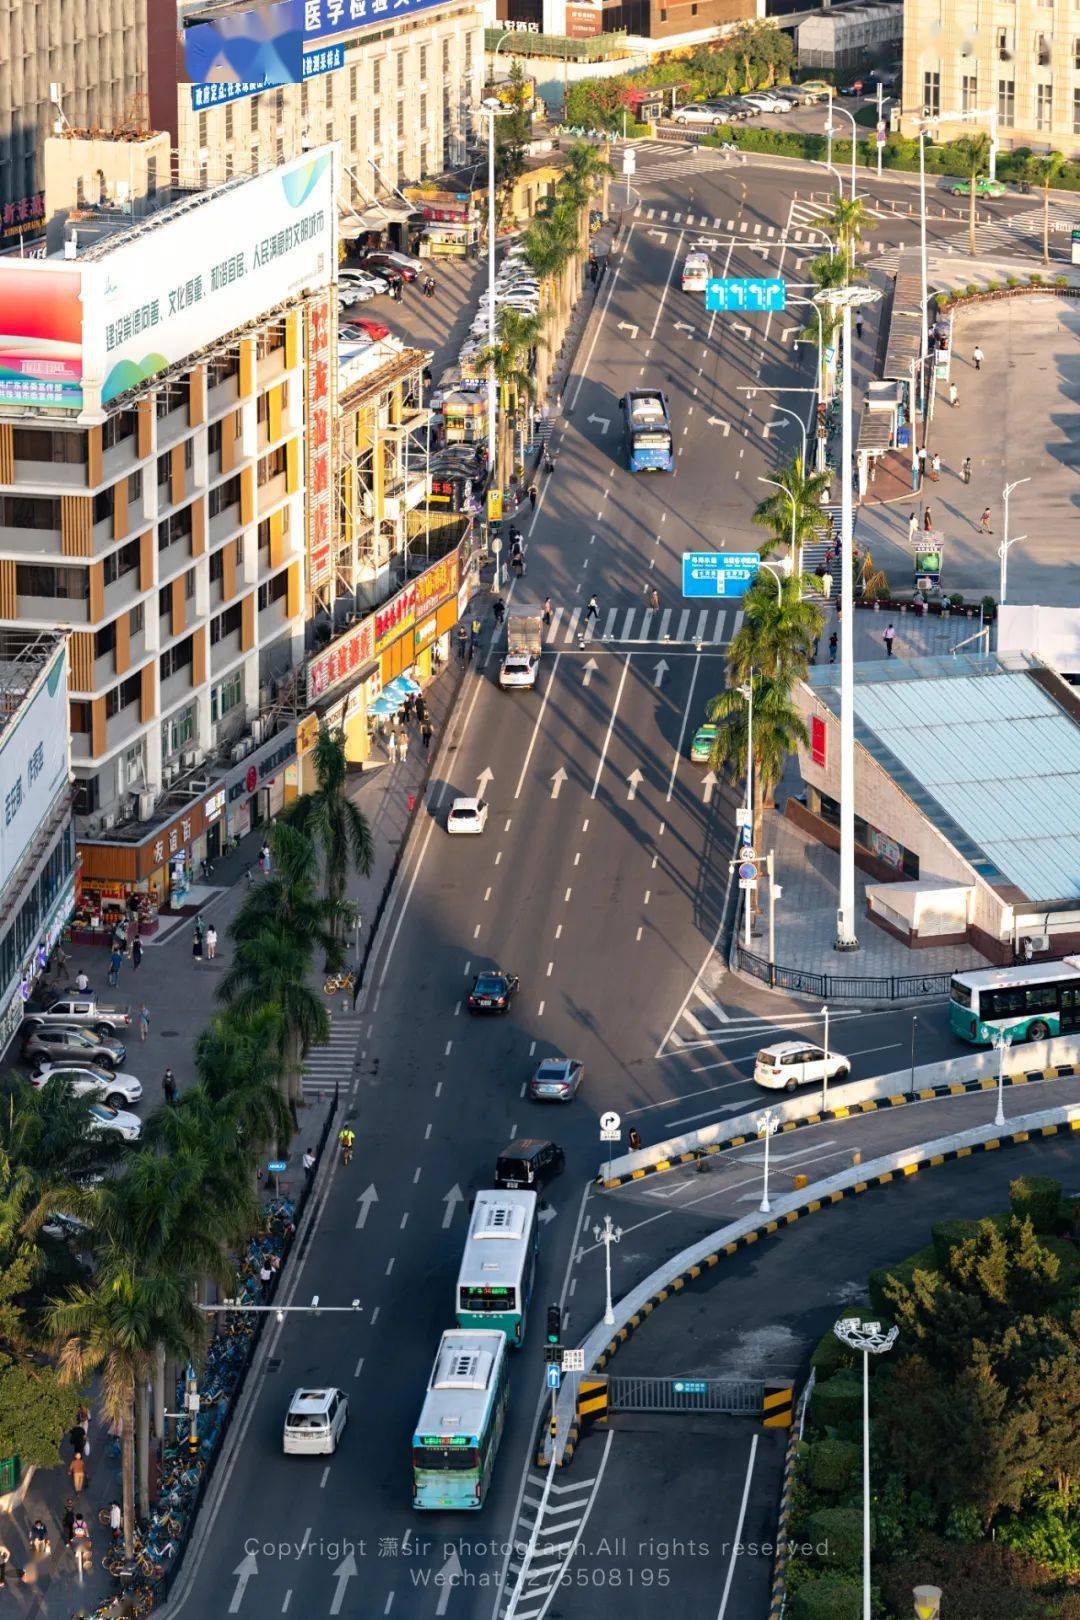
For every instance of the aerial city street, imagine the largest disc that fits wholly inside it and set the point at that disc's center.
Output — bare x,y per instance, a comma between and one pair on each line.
541,852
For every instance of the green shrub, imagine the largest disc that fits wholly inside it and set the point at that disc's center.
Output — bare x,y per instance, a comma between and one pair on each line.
837,1402
1068,1258
830,1465
956,599
1061,281
989,609
973,288
836,1533
832,1597
904,1271
1012,281
947,1235
1049,1534
1040,1199
993,286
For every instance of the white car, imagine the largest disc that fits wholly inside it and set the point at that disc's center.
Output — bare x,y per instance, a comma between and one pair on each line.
786,1065
114,1122
518,670
467,816
84,1079
697,115
315,1422
767,102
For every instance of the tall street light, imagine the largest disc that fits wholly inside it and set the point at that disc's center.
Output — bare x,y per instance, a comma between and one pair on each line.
825,1076
494,109
1003,548
869,1339
847,299
768,1124
607,1235
831,131
747,691
1001,1044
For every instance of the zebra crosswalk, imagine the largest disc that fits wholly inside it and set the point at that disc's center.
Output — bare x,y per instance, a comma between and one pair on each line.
695,627
332,1065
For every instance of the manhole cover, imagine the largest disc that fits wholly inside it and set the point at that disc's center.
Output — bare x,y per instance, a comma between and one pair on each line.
274,1364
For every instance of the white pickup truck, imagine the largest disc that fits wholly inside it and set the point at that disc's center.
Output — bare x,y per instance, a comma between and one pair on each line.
524,642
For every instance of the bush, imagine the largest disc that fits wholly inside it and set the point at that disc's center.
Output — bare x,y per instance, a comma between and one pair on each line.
830,1465
1040,1199
832,1597
984,1581
904,1272
1065,1252
989,609
837,1402
1012,281
836,1533
947,1235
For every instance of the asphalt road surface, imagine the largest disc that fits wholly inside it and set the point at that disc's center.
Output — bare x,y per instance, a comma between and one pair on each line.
601,881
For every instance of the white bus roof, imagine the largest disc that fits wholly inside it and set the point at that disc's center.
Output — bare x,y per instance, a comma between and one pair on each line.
646,409
1023,973
500,1233
462,1382
696,256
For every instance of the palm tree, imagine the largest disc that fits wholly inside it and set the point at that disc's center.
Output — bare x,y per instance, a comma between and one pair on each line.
779,729
973,151
512,362
778,632
237,1065
1043,171
844,224
269,970
584,174
289,899
332,821
793,511
552,247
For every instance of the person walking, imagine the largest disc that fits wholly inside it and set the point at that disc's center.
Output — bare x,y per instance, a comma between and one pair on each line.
858,323
920,457
144,1021
547,613
392,747
426,733
462,642
654,600
309,1163
833,640
136,953
114,966
532,496
978,357
965,469
592,610
474,635
984,522
116,1521
927,520
403,746
196,947
67,1523
39,1539
935,467
954,395
168,1088
82,983
888,638
912,527
77,1473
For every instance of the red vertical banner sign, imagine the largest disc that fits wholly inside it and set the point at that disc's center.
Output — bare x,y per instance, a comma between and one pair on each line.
818,741
319,504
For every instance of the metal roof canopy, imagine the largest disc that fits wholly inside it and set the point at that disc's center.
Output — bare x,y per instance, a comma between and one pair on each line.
987,756
905,331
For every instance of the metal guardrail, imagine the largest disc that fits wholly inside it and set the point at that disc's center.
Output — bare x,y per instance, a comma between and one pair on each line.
741,1397
841,986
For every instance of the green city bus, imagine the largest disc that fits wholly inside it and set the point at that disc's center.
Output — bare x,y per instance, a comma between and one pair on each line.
461,1422
1025,1003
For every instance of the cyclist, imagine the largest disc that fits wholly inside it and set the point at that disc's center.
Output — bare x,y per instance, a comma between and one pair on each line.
346,1138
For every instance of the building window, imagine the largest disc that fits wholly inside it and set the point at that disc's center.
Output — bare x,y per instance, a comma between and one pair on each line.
40,444
1004,53
226,624
175,659
213,438
1042,50
401,120
423,63
116,428
135,485
39,579
446,56
174,528
354,83
329,92
226,695
274,589
931,94
423,115
121,562
224,495
304,99
123,696
329,129
1006,101
229,123
217,559
272,465
177,731
164,471
29,512
1076,112
104,504
376,78
254,115
468,50
105,639
969,92
136,619
376,128
202,130
1044,99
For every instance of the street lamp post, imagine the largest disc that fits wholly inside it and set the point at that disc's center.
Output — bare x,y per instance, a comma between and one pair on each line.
776,484
869,1339
1003,548
830,131
747,692
768,1124
607,1235
825,1075
1001,1044
847,298
494,109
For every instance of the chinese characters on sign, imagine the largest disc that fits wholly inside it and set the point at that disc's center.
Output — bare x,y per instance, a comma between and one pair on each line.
318,505
348,654
23,216
13,797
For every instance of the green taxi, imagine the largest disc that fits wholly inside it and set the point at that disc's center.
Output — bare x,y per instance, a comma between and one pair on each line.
702,745
984,187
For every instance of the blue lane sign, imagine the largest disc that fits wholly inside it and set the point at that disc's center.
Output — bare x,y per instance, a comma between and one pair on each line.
760,294
276,1167
554,1375
719,573
690,1386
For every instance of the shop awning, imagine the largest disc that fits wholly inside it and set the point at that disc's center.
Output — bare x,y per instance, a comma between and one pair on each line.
376,218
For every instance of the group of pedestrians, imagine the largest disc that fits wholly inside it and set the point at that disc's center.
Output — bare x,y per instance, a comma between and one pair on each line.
124,946
204,940
397,740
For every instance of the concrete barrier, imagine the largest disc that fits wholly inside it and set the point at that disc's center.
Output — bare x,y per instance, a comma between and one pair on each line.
1062,1054
602,1342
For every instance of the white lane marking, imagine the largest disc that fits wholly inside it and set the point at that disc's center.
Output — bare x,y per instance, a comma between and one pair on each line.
536,727
611,726
325,1477
714,1007
599,325
682,728
358,1369
663,296
737,1540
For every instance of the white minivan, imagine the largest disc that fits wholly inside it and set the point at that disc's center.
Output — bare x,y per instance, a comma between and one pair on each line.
315,1422
696,272
786,1065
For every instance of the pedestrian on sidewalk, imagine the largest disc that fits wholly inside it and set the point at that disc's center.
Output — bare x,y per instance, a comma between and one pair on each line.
144,1021
82,983
309,1163
532,496
888,638
984,522
935,467
833,639
978,357
912,527
858,323
634,1140
114,966
920,456
426,733
927,520
77,1472
592,610
462,642
196,947
116,1521
67,1523
403,746
264,858
965,469
954,395
474,635
168,1087
136,953
39,1539
211,942
392,747
654,600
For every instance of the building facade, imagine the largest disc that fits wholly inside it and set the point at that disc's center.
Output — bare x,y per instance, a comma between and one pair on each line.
95,51
1020,58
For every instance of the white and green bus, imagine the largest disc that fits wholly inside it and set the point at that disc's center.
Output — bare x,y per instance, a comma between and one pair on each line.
498,1268
1026,1003
461,1422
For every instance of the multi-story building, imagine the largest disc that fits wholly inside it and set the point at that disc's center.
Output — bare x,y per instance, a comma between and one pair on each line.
37,841
165,484
1016,59
94,51
396,82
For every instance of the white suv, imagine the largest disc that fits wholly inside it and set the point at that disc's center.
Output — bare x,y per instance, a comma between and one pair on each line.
786,1065
315,1422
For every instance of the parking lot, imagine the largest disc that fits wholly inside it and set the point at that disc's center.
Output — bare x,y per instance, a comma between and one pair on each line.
437,324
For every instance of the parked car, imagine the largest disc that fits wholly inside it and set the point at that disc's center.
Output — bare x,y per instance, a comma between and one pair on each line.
63,1042
375,330
69,1007
814,90
409,266
530,1163
87,1079
557,1080
106,1121
391,265
696,113
467,816
786,1065
315,1422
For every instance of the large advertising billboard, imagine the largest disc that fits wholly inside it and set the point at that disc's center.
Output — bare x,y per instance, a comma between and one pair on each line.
33,763
116,321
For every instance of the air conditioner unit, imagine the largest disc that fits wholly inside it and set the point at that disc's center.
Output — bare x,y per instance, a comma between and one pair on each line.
241,750
190,758
258,732
169,774
108,820
146,805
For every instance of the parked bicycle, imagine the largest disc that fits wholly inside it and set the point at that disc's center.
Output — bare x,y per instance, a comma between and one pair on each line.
345,980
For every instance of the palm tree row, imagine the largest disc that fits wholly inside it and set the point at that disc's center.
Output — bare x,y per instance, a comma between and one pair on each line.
168,1225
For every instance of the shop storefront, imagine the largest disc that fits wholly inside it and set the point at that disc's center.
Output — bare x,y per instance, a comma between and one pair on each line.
48,931
255,790
125,879
451,227
412,630
340,681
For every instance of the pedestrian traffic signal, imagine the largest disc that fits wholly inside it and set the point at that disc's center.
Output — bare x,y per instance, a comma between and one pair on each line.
554,1324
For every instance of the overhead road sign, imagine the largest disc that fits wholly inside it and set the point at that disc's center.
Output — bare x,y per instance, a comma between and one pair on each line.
759,294
719,573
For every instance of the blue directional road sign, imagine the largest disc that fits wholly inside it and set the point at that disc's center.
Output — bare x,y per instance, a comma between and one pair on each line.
277,1166
759,294
718,573
690,1386
554,1375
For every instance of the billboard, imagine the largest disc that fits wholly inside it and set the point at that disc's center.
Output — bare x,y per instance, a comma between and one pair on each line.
166,292
319,502
33,762
270,43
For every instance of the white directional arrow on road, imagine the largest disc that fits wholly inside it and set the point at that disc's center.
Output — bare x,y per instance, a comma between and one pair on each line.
446,1580
634,781
625,326
660,235
548,1214
452,1199
243,1572
344,1573
708,782
589,671
604,422
484,779
788,330
718,421
368,1197
766,428
557,781
741,326
684,326
660,671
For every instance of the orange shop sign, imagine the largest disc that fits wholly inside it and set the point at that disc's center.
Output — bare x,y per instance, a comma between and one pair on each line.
433,586
342,659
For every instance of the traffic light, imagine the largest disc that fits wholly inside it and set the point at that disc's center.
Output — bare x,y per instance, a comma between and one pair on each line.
554,1324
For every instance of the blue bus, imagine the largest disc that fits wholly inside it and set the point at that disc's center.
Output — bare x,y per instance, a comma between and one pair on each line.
461,1421
1025,1003
498,1267
647,425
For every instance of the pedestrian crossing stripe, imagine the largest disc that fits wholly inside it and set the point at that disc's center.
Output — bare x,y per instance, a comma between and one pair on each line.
668,627
331,1064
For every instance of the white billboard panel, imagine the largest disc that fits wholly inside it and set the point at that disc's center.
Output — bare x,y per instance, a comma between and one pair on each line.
33,762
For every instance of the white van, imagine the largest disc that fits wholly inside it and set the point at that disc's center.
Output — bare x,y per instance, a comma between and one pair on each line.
696,272
315,1422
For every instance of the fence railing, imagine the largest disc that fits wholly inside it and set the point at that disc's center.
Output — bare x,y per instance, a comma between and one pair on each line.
841,986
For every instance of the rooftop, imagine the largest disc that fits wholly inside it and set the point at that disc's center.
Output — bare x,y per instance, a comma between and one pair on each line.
987,753
24,657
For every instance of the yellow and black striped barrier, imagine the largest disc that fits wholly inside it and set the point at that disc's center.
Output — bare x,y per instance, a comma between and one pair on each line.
592,1401
777,1404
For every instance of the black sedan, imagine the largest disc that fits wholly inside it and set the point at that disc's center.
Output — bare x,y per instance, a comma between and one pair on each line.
492,992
